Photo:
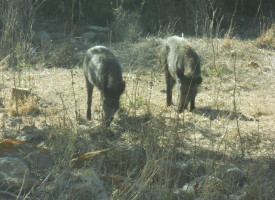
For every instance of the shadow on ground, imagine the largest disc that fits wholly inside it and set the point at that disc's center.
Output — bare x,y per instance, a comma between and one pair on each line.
213,114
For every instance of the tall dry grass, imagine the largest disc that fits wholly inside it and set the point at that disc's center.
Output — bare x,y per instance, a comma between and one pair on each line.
17,21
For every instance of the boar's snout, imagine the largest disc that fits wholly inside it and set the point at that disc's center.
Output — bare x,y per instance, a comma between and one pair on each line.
110,106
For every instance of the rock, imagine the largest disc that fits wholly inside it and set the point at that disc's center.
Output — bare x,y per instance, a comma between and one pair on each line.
233,176
234,197
185,170
98,28
88,36
14,174
120,183
29,130
199,183
118,160
86,186
179,194
32,135
14,121
34,138
127,188
195,187
42,37
95,33
37,158
33,52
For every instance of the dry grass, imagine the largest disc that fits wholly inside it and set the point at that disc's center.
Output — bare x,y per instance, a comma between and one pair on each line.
28,106
266,40
210,133
226,43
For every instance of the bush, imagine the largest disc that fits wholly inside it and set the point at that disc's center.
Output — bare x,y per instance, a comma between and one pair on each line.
266,39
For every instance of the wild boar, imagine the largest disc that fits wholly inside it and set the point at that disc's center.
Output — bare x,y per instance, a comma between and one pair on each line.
182,66
102,70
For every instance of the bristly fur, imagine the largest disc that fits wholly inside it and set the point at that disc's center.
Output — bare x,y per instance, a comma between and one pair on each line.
182,66
102,70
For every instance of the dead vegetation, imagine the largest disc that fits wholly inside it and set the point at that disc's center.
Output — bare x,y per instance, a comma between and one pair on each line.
222,150
233,122
266,39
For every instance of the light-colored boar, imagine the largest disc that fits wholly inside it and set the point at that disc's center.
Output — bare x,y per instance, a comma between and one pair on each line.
182,66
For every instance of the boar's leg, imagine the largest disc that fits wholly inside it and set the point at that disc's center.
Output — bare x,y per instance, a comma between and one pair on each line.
170,82
192,106
192,98
90,88
180,105
107,122
182,97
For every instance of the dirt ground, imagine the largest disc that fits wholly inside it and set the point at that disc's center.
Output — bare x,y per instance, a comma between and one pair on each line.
61,93
235,109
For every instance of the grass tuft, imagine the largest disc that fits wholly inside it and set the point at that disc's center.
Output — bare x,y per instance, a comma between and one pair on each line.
28,106
266,40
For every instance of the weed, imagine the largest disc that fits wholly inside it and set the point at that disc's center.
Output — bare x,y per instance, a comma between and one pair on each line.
28,106
266,39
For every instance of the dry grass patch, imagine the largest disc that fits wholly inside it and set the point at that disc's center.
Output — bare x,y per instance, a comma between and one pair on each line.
266,40
261,110
28,106
226,43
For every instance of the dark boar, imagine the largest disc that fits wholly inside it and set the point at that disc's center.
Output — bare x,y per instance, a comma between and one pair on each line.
102,70
182,66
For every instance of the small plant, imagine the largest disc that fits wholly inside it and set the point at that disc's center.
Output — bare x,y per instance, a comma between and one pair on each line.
28,106
137,102
226,43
